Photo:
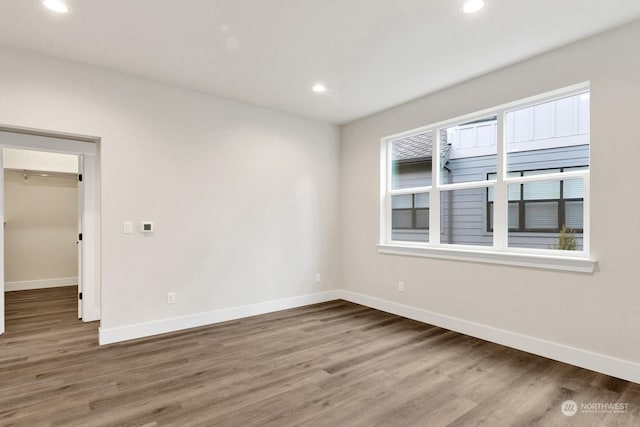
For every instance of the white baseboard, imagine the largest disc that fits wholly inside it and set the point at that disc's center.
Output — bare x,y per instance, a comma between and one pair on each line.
139,330
608,365
614,367
40,284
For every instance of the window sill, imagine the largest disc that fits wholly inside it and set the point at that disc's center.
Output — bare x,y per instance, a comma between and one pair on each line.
548,262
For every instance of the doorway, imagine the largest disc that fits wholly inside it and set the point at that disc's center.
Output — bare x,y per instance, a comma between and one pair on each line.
70,167
41,222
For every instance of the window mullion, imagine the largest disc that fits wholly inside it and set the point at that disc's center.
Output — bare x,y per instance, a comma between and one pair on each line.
386,214
434,194
500,193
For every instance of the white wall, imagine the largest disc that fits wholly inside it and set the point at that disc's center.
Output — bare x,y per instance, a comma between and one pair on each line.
244,199
596,312
41,228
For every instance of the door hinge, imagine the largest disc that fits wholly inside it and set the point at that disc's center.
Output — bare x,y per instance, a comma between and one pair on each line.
80,236
80,295
80,177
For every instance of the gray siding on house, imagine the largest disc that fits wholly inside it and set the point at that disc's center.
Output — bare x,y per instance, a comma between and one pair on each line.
463,220
464,212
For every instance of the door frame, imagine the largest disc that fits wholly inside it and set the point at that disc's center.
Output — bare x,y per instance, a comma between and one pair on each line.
86,148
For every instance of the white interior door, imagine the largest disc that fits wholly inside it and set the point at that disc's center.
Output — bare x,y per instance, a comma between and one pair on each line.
80,234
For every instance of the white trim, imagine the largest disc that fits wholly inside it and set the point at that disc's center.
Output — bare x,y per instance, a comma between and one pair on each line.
50,134
467,185
45,143
38,140
411,190
139,330
500,223
604,364
40,284
554,176
491,256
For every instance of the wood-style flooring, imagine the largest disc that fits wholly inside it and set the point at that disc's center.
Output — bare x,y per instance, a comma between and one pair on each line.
331,364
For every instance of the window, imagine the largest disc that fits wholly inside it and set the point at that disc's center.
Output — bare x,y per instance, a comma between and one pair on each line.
410,212
510,180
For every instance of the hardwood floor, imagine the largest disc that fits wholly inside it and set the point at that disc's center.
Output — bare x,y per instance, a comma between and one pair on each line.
331,364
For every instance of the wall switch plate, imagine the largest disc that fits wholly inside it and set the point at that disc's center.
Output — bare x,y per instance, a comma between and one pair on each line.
171,298
127,227
317,278
401,286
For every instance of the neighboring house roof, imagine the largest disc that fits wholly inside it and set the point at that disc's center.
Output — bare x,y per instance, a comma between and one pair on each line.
418,147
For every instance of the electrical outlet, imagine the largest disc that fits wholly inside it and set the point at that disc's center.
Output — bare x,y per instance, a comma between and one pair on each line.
127,227
171,298
401,286
317,278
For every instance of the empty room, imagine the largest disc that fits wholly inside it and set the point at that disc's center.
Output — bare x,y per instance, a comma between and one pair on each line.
306,213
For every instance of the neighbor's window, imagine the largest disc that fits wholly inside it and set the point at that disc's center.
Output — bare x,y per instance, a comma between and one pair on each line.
513,178
542,206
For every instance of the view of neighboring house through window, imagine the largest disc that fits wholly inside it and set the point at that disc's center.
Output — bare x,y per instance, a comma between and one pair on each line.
472,151
544,140
411,171
540,187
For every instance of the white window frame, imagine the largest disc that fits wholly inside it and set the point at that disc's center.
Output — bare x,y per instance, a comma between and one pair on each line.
500,252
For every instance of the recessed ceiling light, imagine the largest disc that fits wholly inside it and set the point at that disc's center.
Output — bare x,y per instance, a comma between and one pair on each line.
472,6
319,88
56,6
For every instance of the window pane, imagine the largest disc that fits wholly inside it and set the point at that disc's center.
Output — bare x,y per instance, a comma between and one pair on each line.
411,161
410,217
574,215
573,189
462,217
542,190
490,189
553,134
542,223
422,218
514,190
401,218
468,150
514,216
422,200
541,215
404,201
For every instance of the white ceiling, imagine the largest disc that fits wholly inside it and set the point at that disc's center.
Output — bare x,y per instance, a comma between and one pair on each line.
371,54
